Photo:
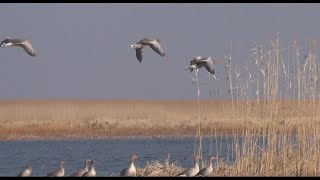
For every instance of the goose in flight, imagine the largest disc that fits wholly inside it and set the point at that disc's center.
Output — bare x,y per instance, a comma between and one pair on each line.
25,44
200,62
26,172
152,43
131,170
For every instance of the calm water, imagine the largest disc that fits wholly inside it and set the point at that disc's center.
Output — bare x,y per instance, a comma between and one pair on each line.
111,155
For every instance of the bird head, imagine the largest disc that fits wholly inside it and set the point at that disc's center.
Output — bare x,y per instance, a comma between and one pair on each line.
29,167
134,156
6,43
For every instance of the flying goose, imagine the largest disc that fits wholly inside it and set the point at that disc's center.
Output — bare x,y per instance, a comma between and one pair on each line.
200,62
91,172
152,43
25,44
59,172
208,169
80,172
131,170
191,171
26,172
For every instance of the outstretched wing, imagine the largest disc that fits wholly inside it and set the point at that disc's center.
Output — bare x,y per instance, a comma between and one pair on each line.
157,48
26,45
198,60
139,54
209,66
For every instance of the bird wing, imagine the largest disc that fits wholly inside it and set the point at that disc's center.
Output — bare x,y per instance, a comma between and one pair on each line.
139,54
198,60
201,172
79,173
156,47
86,174
22,173
184,172
26,45
124,172
53,173
209,66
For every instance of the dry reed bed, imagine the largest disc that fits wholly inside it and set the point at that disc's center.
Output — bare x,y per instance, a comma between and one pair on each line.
289,128
90,118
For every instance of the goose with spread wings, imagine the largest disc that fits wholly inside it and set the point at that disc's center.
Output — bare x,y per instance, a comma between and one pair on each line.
200,62
152,43
25,44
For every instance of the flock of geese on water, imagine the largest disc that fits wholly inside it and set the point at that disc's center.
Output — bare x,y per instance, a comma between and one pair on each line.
130,171
196,63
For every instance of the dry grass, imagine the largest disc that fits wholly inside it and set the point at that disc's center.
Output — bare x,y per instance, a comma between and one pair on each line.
157,168
105,118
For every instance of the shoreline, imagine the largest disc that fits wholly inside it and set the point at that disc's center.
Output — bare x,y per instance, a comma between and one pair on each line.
106,137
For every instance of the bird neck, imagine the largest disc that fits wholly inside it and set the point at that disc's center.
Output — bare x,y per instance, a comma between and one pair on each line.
92,168
131,165
196,164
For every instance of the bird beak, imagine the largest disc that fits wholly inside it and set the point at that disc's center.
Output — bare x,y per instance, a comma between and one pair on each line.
215,61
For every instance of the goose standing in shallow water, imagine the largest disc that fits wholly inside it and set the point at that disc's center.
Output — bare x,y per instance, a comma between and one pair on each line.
131,170
152,43
208,169
80,172
59,172
91,172
200,62
26,172
25,44
191,171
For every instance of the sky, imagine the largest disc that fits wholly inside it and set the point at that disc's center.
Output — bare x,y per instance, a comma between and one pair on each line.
84,49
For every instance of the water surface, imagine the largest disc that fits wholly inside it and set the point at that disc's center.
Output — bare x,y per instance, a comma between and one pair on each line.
111,155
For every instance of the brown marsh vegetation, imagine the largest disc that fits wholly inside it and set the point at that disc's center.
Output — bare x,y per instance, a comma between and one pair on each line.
105,118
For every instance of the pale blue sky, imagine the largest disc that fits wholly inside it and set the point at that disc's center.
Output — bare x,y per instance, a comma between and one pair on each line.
84,49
